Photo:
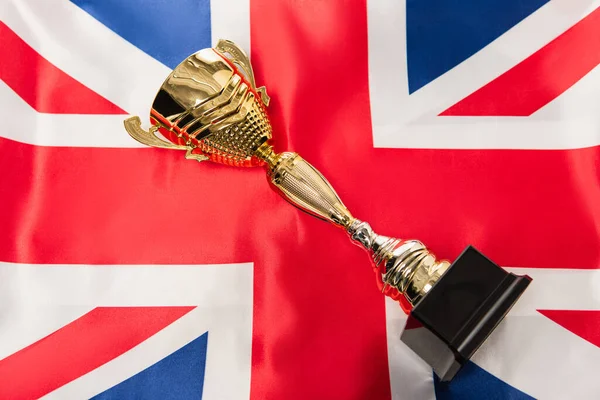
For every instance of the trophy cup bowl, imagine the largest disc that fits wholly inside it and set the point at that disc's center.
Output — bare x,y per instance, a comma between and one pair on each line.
209,107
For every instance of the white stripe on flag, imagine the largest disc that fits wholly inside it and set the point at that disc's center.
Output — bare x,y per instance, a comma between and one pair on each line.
88,51
541,358
528,350
68,291
401,120
558,289
91,53
222,328
410,376
231,20
23,124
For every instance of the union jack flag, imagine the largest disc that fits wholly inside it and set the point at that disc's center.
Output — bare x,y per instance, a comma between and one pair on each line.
129,272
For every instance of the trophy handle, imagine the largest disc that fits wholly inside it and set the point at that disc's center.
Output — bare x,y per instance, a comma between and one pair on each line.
240,59
133,126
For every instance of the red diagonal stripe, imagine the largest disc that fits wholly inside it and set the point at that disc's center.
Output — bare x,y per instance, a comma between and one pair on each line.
80,347
540,78
583,323
42,85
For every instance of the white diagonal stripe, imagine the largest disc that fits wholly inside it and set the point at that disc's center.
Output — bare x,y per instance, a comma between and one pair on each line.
541,358
35,300
23,124
401,120
88,51
526,349
91,53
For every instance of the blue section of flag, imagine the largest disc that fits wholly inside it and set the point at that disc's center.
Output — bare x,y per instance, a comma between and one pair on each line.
167,30
441,34
474,383
178,376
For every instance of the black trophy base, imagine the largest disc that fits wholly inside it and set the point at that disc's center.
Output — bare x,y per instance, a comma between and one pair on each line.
460,311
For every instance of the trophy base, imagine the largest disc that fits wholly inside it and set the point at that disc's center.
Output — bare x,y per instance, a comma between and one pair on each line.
460,311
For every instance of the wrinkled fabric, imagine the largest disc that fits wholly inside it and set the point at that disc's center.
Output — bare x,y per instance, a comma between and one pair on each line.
320,326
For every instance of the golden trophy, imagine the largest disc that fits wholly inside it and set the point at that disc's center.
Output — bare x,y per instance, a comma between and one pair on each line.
210,107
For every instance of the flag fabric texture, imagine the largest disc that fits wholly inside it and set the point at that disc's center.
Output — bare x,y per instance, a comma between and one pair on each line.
129,272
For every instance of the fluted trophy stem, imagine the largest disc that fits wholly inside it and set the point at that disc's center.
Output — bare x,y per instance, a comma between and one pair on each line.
303,186
405,265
